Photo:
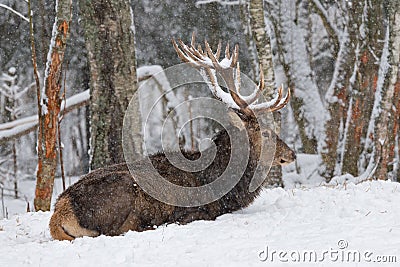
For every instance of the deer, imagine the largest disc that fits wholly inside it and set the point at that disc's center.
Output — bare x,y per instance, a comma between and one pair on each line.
109,201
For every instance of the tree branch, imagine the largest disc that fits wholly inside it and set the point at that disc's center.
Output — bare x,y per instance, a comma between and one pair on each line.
221,2
15,12
15,129
21,127
332,30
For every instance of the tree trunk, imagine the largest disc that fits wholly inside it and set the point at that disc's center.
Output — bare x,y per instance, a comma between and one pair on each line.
49,107
263,43
290,34
387,128
362,93
352,93
111,49
264,54
245,23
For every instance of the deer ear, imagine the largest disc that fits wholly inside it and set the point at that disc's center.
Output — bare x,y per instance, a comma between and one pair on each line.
236,120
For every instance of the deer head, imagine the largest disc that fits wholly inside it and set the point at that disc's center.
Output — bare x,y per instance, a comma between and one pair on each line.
246,107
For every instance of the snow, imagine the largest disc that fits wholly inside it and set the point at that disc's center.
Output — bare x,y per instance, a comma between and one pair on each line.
217,90
363,217
272,102
151,70
12,124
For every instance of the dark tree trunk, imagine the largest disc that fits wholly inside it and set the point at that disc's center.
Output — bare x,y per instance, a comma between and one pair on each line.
387,129
351,104
111,49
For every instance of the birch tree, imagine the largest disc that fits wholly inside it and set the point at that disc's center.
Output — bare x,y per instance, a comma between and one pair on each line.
264,54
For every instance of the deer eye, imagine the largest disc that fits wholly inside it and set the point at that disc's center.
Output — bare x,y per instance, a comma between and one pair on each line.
265,134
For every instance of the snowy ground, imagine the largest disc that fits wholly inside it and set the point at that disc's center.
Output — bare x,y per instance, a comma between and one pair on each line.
326,223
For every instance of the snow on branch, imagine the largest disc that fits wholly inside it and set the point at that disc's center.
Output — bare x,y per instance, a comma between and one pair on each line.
13,124
18,128
221,2
368,174
330,27
340,58
15,12
21,127
324,15
376,110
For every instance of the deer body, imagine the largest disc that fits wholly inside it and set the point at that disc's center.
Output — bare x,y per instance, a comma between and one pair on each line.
109,201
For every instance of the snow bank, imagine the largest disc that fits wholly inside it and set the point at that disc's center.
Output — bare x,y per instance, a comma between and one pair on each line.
365,217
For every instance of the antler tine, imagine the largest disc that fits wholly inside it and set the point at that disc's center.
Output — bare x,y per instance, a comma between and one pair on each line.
210,67
187,50
193,55
284,102
235,56
200,49
218,53
238,79
257,92
194,58
193,40
278,102
244,107
198,53
243,104
215,62
181,55
227,53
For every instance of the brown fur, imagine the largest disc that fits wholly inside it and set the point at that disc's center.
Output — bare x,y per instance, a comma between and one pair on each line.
108,200
64,225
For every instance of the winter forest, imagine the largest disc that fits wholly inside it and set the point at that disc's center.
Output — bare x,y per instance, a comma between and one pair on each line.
68,72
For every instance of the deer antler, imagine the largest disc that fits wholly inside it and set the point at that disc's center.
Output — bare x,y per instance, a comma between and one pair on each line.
209,65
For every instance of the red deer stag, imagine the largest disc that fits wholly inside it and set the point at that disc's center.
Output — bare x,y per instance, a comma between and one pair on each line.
108,201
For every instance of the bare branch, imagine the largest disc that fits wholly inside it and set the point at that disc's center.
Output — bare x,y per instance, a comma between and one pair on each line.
331,28
15,12
221,2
